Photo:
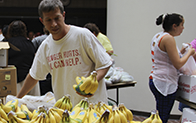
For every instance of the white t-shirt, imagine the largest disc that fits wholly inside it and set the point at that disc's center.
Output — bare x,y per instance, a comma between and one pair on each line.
164,74
78,53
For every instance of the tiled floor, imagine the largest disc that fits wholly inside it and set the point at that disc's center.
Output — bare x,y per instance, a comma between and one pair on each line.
142,118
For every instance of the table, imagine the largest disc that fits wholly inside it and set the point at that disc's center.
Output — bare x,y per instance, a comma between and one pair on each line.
117,86
191,104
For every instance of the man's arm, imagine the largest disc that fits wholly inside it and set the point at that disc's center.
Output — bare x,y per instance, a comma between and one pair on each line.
29,83
101,73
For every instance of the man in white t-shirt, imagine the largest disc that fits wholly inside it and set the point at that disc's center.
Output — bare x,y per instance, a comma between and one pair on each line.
68,51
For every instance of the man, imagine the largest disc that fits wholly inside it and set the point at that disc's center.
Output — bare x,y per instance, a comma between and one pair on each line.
68,51
101,37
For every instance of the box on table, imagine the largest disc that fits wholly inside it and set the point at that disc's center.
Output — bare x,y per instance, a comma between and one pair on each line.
188,115
8,81
187,88
4,46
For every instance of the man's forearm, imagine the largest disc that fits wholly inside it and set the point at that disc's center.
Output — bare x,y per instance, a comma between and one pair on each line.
101,73
29,83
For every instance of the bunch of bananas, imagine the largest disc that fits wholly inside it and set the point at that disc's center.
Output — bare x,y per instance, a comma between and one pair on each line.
66,118
86,86
92,114
64,103
79,112
14,119
117,116
128,114
154,118
101,107
10,106
44,115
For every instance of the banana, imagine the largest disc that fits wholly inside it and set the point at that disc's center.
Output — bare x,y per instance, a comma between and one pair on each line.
104,118
78,79
19,120
35,114
3,114
51,117
58,110
86,82
8,103
122,116
25,109
2,120
64,104
94,83
111,119
10,106
116,117
128,112
20,114
149,119
56,115
81,116
66,118
18,109
59,102
77,109
92,114
156,118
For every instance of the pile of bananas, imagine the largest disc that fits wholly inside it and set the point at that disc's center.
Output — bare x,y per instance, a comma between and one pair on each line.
64,103
86,86
83,112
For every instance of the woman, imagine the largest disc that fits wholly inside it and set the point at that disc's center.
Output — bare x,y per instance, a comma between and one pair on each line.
23,59
163,80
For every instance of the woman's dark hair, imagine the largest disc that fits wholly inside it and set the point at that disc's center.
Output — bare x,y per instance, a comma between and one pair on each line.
92,27
168,20
17,28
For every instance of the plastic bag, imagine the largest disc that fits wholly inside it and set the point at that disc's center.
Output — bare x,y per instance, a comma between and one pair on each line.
189,68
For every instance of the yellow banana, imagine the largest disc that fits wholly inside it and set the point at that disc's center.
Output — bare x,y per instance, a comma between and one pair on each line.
111,119
8,103
56,115
86,82
51,117
66,118
92,114
76,109
149,119
20,114
81,116
25,109
116,117
122,116
19,120
128,112
156,118
3,114
94,83
58,110
59,102
78,80
3,120
35,114
10,106
104,118
18,109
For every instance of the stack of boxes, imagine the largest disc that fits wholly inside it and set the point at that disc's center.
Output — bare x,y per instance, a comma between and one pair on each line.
187,91
8,78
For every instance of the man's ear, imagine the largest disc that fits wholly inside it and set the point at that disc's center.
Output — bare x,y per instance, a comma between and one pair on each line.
41,19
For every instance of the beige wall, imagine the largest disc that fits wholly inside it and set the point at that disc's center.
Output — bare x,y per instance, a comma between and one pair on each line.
130,27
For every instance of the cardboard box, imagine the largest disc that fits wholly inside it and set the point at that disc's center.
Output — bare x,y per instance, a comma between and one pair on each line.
187,88
4,46
8,81
189,115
